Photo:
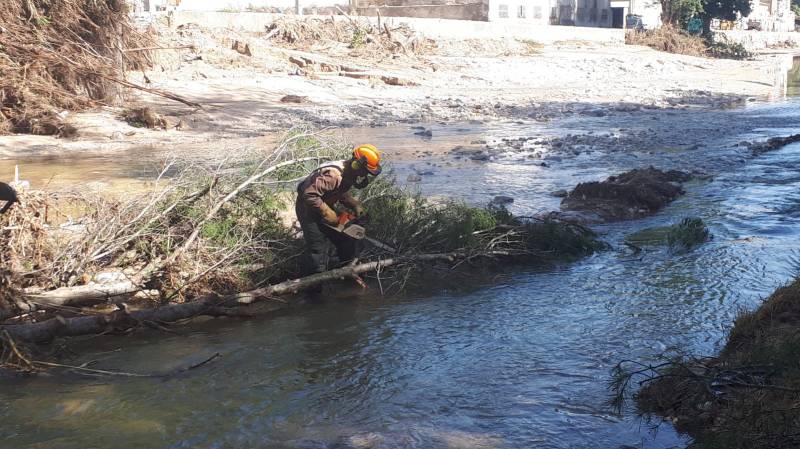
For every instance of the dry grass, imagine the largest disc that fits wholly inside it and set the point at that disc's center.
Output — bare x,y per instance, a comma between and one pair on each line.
674,40
62,56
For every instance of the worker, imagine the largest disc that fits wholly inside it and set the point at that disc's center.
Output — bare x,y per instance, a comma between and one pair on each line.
7,194
318,196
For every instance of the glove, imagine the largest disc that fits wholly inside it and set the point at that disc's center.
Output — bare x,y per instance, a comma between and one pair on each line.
329,216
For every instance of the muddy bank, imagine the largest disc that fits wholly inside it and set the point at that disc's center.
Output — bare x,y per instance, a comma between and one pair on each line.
746,397
630,195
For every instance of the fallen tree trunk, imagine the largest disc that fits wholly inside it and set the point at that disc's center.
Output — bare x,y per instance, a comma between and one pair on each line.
210,305
82,295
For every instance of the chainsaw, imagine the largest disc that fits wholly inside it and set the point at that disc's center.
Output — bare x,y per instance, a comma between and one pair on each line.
349,225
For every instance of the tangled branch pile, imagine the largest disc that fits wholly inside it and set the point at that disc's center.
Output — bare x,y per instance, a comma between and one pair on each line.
62,56
188,210
361,36
632,194
202,236
746,398
671,39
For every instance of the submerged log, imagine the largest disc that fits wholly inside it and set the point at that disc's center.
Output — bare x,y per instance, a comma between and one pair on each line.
212,305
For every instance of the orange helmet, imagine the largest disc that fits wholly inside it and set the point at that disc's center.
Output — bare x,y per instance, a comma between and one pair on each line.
368,157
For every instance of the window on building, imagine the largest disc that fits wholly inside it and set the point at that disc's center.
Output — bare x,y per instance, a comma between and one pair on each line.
521,12
537,12
502,11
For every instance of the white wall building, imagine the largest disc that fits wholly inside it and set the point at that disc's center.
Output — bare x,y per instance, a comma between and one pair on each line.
588,13
770,15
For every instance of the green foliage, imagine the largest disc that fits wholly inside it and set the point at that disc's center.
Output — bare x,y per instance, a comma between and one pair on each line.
414,224
654,236
729,50
796,7
43,21
359,38
411,223
682,236
565,240
725,9
679,12
687,234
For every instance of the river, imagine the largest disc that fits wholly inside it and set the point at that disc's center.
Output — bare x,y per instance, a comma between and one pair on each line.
519,362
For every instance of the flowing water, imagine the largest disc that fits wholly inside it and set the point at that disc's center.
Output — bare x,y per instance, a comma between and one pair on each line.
518,362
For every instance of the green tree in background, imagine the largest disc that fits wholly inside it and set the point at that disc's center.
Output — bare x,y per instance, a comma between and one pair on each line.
679,12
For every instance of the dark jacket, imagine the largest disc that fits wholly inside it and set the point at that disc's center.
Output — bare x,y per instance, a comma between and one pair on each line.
323,188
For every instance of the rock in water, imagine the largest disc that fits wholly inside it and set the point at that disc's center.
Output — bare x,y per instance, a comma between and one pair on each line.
425,134
501,200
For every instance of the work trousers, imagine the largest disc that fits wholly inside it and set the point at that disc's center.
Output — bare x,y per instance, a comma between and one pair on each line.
318,238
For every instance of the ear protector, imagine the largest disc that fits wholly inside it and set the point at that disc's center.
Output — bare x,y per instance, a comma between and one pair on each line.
357,164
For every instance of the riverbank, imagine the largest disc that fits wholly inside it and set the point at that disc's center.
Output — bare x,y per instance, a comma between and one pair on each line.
747,397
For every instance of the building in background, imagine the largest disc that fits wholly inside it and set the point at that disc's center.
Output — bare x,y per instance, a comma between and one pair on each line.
587,13
277,6
767,15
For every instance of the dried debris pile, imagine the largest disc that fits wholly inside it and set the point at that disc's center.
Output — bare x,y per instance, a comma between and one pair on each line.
633,194
62,56
361,36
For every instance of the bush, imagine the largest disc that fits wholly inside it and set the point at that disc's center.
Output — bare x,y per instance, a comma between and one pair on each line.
726,49
669,39
674,40
411,223
687,234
